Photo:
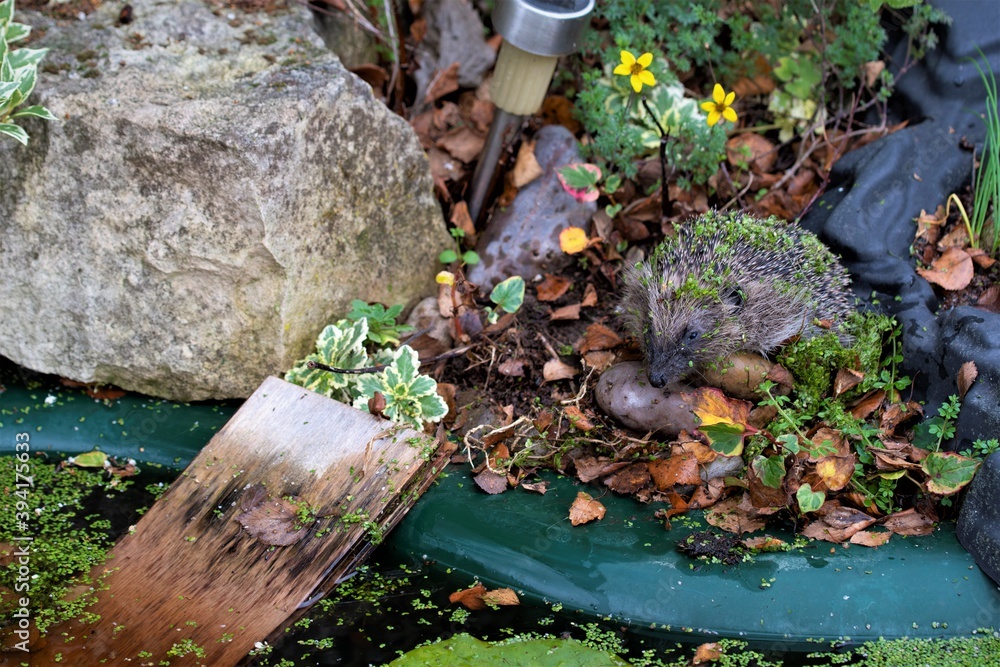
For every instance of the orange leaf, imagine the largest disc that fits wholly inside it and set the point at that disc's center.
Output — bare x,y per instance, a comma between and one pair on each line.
966,376
552,287
869,539
472,597
714,407
952,270
570,312
707,653
585,509
675,470
526,167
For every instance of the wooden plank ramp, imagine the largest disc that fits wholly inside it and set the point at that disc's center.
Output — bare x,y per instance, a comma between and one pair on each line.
202,577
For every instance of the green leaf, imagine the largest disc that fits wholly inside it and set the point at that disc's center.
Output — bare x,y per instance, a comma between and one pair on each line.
14,131
789,441
727,439
432,407
26,77
809,500
770,470
947,472
36,110
509,294
408,363
17,31
6,88
448,256
470,257
579,176
6,11
26,57
94,459
612,183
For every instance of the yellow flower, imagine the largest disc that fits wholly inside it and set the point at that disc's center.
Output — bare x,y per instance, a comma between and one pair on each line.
572,240
445,278
721,106
636,70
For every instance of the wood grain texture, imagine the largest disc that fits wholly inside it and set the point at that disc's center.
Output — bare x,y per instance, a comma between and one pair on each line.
190,574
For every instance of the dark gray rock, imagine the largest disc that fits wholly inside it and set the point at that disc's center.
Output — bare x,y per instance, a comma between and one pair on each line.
523,240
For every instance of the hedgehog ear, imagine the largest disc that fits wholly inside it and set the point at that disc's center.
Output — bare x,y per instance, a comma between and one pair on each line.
733,295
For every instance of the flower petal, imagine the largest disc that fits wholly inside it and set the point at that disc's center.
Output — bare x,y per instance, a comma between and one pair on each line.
647,78
729,114
729,98
627,59
645,59
623,70
718,94
636,81
713,118
708,106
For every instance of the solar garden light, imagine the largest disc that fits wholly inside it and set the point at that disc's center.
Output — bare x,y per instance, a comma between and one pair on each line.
535,33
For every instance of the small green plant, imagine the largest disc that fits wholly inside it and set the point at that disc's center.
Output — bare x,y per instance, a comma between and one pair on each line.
986,190
340,345
508,296
940,428
982,448
410,398
18,74
382,327
468,257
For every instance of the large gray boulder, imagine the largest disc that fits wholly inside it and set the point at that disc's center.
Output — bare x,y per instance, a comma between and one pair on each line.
217,189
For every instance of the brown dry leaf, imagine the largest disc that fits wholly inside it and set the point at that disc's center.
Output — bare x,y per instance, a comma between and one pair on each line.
981,258
764,543
585,509
868,404
873,69
599,360
376,404
552,287
554,369
763,153
502,597
929,224
763,496
491,482
628,480
832,473
460,218
909,522
536,487
273,521
898,414
418,29
444,166
667,473
958,237
707,653
732,516
952,270
990,299
462,143
826,438
966,376
570,312
708,494
847,379
559,110
512,367
589,468
867,538
761,84
598,337
526,167
589,296
577,418
472,597
444,82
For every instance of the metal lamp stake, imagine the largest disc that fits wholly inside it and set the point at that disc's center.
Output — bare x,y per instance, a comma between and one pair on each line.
535,33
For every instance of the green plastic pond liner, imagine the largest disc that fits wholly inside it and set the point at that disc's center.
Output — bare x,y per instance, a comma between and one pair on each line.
68,421
626,567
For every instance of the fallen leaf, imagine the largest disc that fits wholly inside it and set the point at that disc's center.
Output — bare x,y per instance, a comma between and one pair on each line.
966,376
460,218
462,143
898,414
589,296
570,312
91,459
669,472
585,509
598,337
947,472
471,598
273,521
990,299
600,360
559,110
952,270
589,468
764,543
868,404
536,487
552,287
526,167
491,482
909,522
981,258
929,224
503,597
867,538
376,404
512,367
846,379
444,82
755,150
577,418
554,369
707,653
958,237
873,69
628,480
732,516
832,473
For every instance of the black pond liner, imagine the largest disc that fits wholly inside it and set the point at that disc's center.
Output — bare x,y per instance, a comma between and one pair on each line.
867,216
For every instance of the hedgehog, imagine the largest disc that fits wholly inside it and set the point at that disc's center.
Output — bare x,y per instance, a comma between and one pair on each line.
727,283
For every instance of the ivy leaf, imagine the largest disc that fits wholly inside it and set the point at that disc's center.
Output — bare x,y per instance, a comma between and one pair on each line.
809,500
789,441
509,294
727,439
770,470
947,472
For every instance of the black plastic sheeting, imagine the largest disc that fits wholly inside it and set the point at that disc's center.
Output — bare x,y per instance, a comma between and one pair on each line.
867,216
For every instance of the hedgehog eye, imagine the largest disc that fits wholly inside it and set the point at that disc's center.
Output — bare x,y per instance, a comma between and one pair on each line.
693,336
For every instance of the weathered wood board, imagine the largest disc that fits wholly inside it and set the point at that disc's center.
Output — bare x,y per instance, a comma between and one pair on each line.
190,585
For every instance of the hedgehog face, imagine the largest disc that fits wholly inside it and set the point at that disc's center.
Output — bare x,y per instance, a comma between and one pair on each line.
677,346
